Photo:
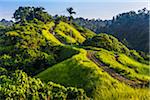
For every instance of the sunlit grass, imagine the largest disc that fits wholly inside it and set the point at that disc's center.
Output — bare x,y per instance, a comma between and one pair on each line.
139,67
79,71
67,31
50,37
124,65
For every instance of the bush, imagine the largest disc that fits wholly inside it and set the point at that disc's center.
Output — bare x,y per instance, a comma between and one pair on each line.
17,85
107,42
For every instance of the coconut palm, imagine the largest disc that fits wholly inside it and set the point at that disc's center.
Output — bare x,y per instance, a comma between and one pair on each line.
71,11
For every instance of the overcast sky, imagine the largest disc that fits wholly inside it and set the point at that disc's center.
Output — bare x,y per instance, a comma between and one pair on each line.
103,9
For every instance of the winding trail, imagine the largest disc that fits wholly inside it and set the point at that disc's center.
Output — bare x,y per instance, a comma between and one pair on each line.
111,72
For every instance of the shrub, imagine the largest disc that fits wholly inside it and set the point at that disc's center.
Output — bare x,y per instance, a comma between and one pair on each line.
18,85
107,42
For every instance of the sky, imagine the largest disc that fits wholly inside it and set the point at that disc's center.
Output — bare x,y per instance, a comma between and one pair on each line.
102,9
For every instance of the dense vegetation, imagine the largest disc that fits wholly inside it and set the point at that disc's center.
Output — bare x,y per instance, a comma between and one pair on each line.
29,13
18,85
81,72
132,28
38,50
107,42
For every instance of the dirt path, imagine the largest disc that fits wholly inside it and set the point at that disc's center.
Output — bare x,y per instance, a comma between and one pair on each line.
111,72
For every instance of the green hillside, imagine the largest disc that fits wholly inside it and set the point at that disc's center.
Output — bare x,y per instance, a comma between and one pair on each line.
107,42
67,34
84,31
81,72
42,58
124,65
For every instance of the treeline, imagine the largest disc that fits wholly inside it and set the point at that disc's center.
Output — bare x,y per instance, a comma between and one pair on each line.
132,28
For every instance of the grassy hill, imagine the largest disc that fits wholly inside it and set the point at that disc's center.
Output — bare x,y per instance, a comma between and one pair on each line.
81,72
124,65
100,64
107,42
68,34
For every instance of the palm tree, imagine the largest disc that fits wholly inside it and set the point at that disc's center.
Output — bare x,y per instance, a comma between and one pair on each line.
71,12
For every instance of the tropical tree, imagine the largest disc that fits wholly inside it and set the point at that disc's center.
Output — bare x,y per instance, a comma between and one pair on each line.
21,13
71,11
29,13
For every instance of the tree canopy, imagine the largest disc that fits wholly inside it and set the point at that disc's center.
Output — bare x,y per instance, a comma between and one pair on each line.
131,28
29,13
71,11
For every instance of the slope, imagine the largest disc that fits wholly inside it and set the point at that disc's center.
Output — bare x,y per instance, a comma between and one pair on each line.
110,63
79,71
107,42
68,34
32,47
29,46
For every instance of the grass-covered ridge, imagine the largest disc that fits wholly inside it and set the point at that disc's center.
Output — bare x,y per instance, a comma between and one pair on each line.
107,42
23,45
98,63
81,72
124,65
68,34
30,44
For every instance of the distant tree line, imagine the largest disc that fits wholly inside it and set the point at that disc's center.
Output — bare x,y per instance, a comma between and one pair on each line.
132,28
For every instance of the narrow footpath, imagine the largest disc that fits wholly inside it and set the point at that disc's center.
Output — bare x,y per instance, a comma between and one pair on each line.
111,72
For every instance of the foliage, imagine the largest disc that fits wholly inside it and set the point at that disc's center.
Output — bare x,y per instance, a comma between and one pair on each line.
79,71
68,34
29,13
6,23
96,25
40,47
71,12
107,42
65,52
84,31
32,45
17,85
2,26
140,56
24,45
132,28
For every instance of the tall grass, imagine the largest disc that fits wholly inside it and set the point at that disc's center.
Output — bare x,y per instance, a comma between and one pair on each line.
124,65
79,71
